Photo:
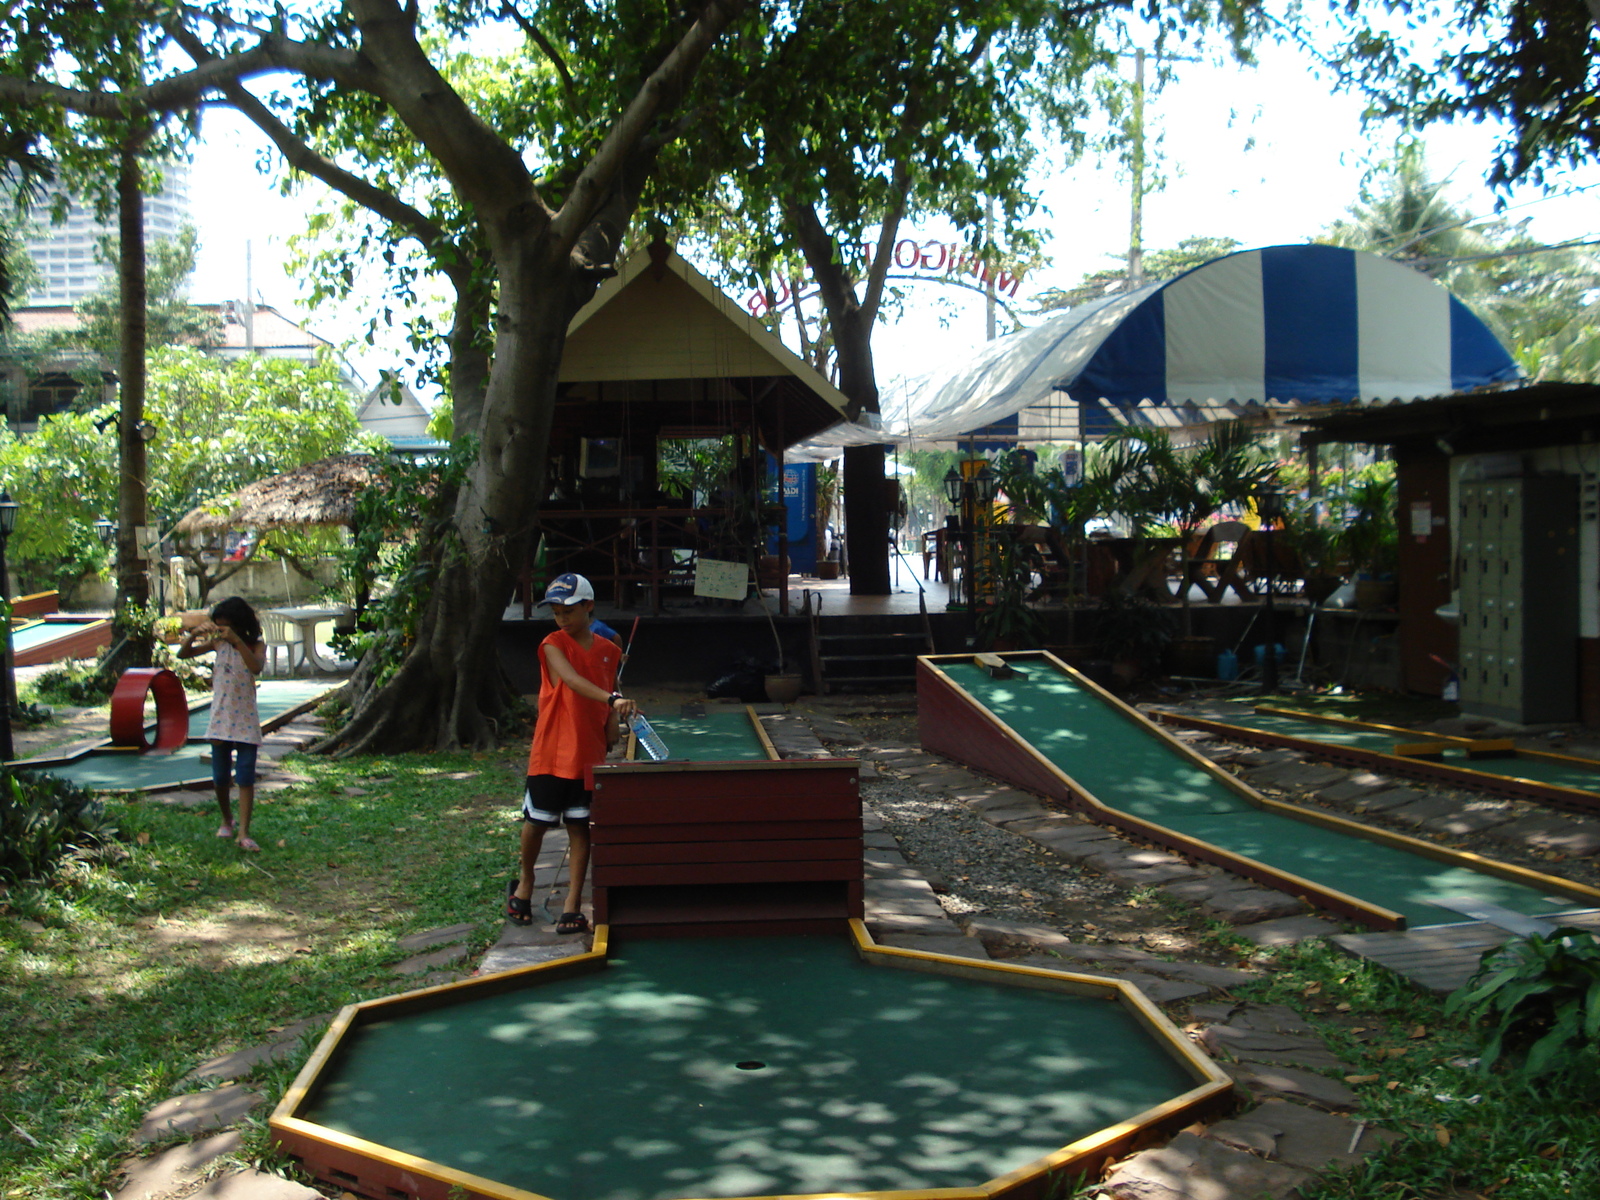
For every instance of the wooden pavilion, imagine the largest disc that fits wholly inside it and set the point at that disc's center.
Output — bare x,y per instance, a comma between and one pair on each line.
661,354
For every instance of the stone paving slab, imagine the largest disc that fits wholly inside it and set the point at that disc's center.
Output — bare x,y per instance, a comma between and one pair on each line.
1295,777
1389,798
1286,931
1140,877
198,1111
990,799
1353,787
1428,808
1301,1137
952,944
1232,900
241,1062
1576,838
1005,817
175,1170
1268,758
1267,1080
1267,1018
509,958
886,924
1042,824
1467,821
254,1185
431,960
1158,989
1196,1168
429,938
1255,1046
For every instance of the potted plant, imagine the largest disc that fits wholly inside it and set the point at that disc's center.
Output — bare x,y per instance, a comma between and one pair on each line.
1133,632
1370,538
1005,620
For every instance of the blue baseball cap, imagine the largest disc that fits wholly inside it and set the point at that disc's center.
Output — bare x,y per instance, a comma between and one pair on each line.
567,589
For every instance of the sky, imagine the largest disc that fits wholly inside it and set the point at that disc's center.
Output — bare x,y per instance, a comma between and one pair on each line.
1265,155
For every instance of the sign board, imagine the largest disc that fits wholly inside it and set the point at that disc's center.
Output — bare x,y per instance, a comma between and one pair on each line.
721,580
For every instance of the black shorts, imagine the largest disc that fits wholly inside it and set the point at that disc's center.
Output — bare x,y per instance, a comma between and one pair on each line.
551,800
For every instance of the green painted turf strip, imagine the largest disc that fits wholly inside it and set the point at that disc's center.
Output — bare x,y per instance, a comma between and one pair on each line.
715,737
1127,767
624,1085
27,637
1543,771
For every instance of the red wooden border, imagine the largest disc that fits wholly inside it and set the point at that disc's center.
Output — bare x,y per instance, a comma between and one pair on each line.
85,642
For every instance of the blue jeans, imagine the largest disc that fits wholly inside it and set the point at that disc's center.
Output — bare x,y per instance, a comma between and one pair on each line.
243,757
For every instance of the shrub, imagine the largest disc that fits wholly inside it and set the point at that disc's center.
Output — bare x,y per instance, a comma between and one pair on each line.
1543,994
42,820
74,684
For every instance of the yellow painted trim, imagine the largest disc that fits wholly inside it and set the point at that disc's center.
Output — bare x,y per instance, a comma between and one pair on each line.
295,1095
761,733
1444,854
1290,882
400,1160
1567,760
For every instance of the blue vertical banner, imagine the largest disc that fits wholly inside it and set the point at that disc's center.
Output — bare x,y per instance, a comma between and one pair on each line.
800,498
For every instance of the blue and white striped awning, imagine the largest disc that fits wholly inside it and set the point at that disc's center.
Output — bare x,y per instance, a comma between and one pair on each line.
1283,324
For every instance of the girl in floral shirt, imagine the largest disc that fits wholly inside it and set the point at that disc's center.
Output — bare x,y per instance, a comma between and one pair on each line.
235,731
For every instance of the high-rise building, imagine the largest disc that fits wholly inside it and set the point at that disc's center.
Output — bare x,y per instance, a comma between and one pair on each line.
68,267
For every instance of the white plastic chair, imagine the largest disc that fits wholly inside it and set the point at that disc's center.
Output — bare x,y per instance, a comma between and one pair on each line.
280,633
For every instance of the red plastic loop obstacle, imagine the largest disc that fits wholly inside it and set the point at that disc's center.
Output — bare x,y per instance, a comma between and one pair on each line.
127,710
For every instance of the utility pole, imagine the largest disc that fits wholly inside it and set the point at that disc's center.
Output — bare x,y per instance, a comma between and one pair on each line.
1136,165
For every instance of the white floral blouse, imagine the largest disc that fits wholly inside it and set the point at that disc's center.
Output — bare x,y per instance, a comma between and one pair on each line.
233,700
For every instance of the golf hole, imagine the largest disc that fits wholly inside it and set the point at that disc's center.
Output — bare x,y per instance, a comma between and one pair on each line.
750,1064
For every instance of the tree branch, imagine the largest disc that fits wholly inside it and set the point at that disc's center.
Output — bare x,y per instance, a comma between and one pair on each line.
659,93
302,157
536,36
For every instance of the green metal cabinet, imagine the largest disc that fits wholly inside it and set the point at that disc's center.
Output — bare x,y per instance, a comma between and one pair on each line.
1517,562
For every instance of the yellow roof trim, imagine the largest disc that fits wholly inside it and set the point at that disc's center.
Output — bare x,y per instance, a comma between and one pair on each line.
761,340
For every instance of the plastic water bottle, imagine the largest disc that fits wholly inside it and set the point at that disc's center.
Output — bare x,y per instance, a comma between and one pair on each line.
649,740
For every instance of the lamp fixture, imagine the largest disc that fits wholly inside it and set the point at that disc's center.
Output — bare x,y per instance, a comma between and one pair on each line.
952,487
107,530
9,509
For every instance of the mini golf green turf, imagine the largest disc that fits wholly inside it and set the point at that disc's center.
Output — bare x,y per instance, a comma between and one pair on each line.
1128,767
715,737
744,1066
123,771
1539,770
37,633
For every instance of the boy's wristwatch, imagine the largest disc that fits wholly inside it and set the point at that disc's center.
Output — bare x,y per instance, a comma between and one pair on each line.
611,700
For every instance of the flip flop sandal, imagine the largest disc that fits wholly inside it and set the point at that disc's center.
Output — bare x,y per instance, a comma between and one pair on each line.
572,922
248,845
225,831
518,911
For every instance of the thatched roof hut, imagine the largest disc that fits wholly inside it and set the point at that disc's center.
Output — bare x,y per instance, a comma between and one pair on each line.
320,493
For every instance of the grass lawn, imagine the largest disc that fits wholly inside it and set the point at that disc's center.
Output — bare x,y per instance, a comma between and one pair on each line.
120,975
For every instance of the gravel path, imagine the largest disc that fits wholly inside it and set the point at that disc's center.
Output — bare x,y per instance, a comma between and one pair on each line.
986,870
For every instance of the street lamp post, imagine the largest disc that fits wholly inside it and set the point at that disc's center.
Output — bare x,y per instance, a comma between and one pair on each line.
8,522
1269,506
955,528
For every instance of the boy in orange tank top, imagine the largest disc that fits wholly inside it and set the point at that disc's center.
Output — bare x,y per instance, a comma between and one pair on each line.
577,705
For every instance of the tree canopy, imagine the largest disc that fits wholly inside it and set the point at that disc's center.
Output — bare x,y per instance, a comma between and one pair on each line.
1532,64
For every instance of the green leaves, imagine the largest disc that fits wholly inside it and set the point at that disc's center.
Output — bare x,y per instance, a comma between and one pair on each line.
1541,997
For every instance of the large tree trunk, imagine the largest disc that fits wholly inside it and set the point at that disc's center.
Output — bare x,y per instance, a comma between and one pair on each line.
449,691
132,638
866,507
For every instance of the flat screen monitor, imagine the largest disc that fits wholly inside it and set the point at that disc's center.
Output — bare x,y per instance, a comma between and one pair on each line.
599,458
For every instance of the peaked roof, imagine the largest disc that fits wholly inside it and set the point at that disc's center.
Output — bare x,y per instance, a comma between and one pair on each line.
659,318
1305,324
